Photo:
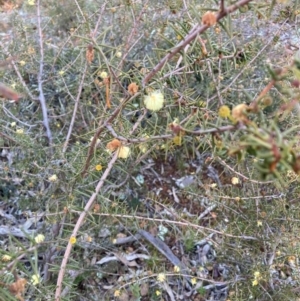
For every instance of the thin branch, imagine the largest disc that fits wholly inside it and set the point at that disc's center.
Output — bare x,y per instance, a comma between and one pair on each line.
241,175
39,78
101,127
190,37
75,110
222,6
183,223
132,34
137,123
22,81
247,65
100,15
167,136
79,223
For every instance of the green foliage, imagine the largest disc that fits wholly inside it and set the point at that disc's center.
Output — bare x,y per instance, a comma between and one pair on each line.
231,180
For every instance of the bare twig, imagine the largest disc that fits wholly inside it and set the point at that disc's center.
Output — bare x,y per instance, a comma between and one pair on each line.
39,78
247,65
75,110
241,175
137,123
113,115
23,82
182,222
78,224
132,34
100,15
15,261
216,82
189,38
222,6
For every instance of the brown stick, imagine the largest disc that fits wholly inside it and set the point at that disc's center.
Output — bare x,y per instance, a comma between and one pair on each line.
113,115
78,224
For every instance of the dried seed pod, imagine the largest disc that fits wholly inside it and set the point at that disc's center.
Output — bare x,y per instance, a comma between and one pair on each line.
209,18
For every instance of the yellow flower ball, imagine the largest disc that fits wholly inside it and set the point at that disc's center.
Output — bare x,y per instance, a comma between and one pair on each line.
39,238
103,74
20,131
177,140
35,279
234,180
53,178
98,167
6,258
176,269
154,101
224,112
161,277
194,281
73,240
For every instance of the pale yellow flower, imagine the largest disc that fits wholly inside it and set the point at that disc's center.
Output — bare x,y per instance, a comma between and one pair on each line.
259,223
13,124
53,178
98,142
117,293
6,258
257,277
161,277
154,101
234,180
20,131
119,54
35,279
239,113
39,238
123,152
176,269
61,72
22,63
103,74
257,274
89,239
157,293
143,147
194,281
